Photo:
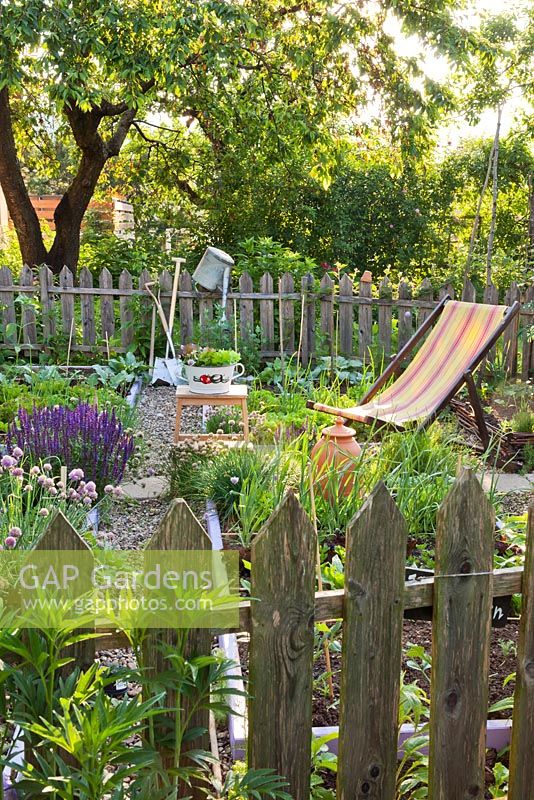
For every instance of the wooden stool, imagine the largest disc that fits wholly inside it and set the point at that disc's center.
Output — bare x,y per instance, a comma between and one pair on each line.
237,396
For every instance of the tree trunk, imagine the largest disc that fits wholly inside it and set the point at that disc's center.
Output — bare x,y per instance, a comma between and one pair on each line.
493,222
18,200
476,221
70,211
530,245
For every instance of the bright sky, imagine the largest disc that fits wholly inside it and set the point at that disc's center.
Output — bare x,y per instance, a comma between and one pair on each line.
437,68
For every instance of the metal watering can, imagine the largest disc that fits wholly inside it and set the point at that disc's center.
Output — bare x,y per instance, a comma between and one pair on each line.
213,272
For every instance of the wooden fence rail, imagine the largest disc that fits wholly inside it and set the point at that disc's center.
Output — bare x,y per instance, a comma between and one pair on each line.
281,624
278,317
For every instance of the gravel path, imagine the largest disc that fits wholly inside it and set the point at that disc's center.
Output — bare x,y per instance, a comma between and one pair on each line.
156,413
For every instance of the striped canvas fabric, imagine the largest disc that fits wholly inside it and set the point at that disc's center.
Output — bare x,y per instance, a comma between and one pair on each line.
461,332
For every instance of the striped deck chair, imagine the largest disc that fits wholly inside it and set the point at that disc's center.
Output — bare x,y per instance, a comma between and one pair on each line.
463,335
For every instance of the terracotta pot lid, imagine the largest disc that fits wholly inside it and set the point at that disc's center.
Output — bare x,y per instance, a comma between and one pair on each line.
338,430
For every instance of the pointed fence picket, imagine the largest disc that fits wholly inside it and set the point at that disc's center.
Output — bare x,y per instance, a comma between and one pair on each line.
333,316
280,621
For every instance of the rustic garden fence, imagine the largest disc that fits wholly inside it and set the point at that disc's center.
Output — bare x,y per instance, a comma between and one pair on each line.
280,621
279,317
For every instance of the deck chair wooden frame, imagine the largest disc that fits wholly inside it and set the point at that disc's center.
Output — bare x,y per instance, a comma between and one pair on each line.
393,370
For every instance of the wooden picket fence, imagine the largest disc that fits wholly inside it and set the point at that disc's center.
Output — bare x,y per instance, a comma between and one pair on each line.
342,317
280,621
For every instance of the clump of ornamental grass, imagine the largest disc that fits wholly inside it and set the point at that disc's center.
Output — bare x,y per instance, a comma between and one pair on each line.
94,441
31,493
185,460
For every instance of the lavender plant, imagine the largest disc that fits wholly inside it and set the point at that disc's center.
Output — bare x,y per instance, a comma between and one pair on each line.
82,437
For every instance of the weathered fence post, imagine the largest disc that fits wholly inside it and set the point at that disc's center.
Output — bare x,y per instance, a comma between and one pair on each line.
126,310
510,336
66,283
58,537
384,318
87,303
46,284
29,327
7,304
527,350
246,307
107,311
327,313
281,646
346,315
287,311
463,589
425,293
365,317
405,331
186,309
308,319
372,650
469,294
267,314
179,530
521,761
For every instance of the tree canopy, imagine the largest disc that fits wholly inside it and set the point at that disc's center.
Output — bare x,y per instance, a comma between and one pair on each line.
249,81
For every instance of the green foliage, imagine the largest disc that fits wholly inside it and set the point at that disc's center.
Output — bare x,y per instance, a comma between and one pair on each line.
523,422
224,420
259,255
185,460
22,387
210,357
105,250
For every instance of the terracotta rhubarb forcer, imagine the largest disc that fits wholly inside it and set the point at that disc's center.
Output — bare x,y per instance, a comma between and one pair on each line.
336,448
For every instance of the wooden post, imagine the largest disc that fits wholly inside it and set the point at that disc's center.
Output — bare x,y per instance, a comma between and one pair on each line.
448,289
405,330
107,310
463,591
425,293
126,311
511,334
87,302
66,281
281,646
186,309
327,313
46,284
29,327
346,316
7,304
365,317
372,650
287,286
180,530
469,294
521,761
60,536
527,349
267,314
146,306
384,318
308,319
246,307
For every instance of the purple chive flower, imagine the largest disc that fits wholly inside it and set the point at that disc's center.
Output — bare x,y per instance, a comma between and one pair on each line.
17,453
15,532
44,512
10,542
17,472
95,441
7,462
